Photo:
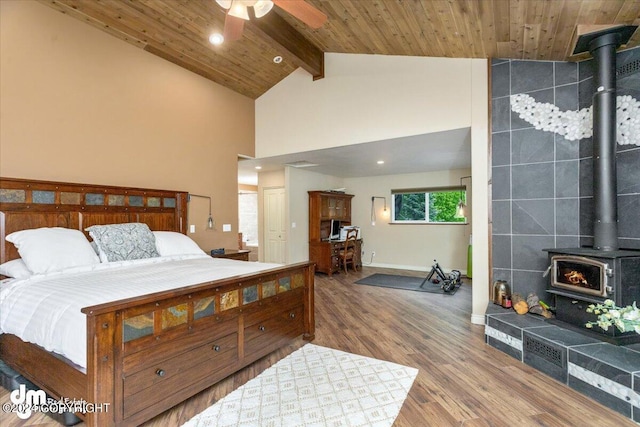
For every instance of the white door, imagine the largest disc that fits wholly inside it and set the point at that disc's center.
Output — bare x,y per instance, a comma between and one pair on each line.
275,232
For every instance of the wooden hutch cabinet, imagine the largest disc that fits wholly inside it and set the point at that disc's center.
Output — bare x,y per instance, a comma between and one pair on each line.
325,206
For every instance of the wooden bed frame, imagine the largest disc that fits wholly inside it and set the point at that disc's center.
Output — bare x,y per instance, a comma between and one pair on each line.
177,356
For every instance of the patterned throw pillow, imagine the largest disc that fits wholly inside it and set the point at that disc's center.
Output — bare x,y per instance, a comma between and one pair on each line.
121,242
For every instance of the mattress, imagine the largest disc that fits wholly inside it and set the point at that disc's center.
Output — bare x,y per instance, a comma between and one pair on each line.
45,309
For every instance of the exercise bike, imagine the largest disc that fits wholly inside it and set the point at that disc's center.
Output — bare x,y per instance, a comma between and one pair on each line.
449,281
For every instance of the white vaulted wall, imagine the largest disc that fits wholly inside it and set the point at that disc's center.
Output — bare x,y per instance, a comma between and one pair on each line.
363,98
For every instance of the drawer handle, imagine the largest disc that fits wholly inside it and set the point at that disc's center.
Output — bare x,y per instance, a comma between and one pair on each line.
160,372
292,315
261,328
216,348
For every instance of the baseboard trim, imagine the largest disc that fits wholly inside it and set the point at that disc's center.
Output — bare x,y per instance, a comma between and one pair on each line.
477,319
411,267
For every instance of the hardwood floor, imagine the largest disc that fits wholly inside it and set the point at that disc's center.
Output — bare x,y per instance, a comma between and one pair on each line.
461,382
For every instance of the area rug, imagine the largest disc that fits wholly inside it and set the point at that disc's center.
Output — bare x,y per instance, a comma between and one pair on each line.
404,282
315,387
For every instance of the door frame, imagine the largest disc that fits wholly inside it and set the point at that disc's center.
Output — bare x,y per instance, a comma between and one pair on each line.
265,250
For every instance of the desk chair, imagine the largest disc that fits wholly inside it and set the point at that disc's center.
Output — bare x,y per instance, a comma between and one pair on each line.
347,254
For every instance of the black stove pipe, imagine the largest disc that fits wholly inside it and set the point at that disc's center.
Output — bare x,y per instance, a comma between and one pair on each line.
605,233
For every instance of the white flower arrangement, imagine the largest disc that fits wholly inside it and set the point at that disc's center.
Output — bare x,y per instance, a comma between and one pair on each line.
626,319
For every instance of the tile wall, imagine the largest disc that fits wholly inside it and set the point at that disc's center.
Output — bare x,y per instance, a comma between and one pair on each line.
541,182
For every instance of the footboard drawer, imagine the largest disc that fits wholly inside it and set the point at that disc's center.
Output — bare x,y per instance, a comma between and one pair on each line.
159,350
170,381
263,337
272,307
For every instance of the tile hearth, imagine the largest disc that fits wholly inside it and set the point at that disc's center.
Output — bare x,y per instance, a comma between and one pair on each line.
604,372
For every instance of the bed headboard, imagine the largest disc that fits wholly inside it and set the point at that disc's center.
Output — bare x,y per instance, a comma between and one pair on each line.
26,204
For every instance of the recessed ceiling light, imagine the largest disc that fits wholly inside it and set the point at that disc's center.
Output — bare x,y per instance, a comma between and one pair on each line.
277,59
258,167
380,162
216,39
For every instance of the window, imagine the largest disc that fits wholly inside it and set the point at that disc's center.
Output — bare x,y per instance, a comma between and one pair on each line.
430,205
248,217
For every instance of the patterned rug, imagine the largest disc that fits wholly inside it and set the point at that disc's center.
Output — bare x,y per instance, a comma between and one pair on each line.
315,387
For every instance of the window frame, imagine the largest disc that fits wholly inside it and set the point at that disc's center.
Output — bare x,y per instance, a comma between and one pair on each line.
426,190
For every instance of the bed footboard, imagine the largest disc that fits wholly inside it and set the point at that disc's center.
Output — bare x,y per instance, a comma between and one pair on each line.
147,354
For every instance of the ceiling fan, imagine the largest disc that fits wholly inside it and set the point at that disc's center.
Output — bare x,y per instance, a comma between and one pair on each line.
238,12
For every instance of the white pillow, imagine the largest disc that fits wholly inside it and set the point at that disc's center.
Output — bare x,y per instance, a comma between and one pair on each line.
173,243
15,268
44,250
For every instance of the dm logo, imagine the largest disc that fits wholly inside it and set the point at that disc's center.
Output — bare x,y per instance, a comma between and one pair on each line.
25,400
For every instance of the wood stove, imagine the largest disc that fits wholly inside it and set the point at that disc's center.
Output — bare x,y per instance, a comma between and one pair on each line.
583,276
592,275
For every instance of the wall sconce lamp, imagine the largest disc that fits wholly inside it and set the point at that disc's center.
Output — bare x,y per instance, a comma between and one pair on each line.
373,208
210,223
461,208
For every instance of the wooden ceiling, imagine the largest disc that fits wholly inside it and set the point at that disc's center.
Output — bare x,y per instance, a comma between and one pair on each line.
178,30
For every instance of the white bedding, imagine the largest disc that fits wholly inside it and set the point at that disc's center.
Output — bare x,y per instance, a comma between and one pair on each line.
45,309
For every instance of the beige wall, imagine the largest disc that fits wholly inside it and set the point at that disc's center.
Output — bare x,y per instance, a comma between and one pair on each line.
299,182
397,246
408,246
79,105
296,182
247,188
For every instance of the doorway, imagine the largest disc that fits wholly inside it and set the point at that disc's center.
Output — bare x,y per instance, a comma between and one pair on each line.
248,221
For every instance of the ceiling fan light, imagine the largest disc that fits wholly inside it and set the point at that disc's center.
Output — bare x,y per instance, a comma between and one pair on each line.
262,7
239,10
226,4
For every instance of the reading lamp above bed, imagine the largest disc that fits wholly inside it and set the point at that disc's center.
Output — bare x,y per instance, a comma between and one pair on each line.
210,222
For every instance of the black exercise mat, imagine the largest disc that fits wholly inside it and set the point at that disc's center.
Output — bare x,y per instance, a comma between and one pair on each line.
404,282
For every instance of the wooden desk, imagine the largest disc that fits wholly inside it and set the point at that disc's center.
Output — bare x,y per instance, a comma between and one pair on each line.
325,255
241,255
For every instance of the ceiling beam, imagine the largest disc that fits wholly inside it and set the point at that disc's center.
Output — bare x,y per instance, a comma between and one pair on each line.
298,49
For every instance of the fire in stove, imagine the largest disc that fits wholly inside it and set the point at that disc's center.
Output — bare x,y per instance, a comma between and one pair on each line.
576,278
580,274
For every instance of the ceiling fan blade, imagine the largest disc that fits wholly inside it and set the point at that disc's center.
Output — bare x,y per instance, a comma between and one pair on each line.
232,28
303,11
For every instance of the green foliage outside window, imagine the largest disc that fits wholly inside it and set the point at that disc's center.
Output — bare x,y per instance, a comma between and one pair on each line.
409,207
443,205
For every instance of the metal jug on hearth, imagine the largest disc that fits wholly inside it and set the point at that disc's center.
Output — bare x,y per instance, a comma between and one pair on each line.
500,291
